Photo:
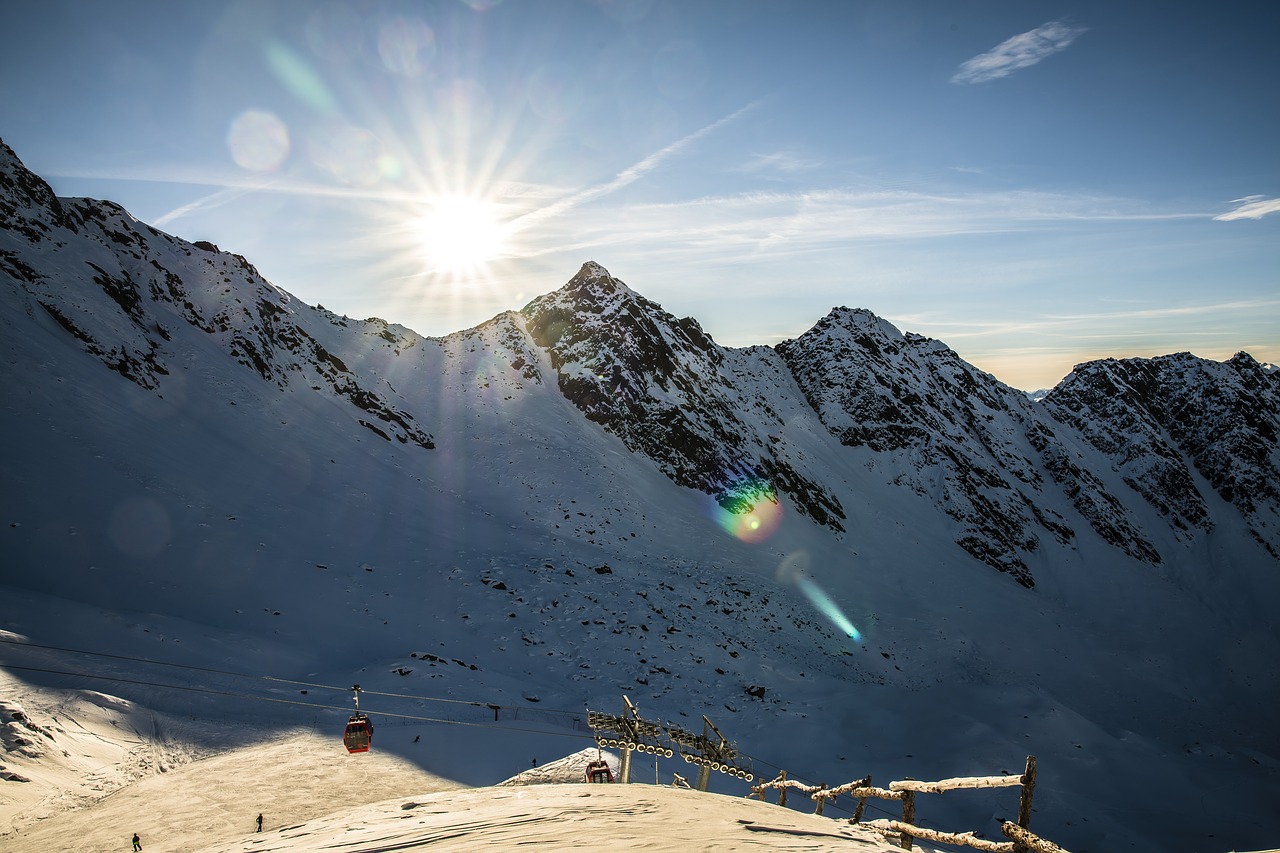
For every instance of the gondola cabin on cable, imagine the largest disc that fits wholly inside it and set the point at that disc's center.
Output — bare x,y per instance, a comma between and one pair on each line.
598,771
359,734
359,731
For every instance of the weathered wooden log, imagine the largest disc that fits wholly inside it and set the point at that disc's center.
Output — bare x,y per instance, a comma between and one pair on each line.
956,784
906,830
789,783
1025,839
819,799
880,793
832,793
857,813
1028,789
908,815
758,790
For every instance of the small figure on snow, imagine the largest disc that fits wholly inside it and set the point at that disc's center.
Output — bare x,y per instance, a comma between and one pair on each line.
137,843
259,823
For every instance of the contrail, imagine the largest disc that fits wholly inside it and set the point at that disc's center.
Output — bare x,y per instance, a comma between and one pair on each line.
627,176
212,200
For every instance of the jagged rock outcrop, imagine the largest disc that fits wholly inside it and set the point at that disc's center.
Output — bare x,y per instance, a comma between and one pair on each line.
120,288
1144,454
666,389
1166,420
957,434
983,446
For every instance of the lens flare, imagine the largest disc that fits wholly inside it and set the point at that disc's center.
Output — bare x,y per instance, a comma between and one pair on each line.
258,140
749,510
795,570
753,526
301,78
827,607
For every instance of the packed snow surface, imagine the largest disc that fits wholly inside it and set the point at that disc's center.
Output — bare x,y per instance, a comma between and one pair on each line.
83,798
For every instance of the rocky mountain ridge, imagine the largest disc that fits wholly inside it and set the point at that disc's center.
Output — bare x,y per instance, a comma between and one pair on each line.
589,496
1014,476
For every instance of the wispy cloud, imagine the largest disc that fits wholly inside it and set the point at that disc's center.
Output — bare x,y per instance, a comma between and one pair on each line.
1250,207
779,161
1021,51
208,202
773,223
1048,324
629,175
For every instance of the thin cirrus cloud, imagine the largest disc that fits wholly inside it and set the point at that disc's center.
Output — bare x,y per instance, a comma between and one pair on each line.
627,176
779,161
1021,51
1250,207
780,223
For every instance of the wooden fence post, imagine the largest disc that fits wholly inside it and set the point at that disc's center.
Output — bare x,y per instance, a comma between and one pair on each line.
908,815
782,792
862,801
1028,788
822,801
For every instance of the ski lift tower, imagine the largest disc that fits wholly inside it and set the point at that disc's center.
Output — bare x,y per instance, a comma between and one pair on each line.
628,733
709,751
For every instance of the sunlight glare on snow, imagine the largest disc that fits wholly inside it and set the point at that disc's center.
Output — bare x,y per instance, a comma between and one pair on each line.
795,570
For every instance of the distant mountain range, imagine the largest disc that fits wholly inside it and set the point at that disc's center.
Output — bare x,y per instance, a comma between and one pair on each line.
1189,437
262,441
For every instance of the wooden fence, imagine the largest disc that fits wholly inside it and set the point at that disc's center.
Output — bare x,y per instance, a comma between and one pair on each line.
1022,839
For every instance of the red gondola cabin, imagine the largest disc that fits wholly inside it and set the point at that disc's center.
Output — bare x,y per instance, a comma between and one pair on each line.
598,771
359,734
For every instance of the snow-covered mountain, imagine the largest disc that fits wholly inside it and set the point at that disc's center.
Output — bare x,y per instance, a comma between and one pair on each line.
589,496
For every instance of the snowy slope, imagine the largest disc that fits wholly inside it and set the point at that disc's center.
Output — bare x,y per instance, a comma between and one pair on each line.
588,497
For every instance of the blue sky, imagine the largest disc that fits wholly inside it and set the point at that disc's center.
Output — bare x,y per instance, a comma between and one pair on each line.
1034,183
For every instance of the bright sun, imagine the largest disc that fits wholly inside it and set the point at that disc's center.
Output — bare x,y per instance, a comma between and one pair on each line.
461,235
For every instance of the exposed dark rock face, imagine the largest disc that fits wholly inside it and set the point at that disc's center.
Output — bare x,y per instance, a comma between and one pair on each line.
1166,420
666,389
1148,454
911,398
121,286
28,205
956,434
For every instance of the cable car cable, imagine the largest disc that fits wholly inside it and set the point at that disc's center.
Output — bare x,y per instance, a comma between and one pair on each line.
312,705
275,679
573,714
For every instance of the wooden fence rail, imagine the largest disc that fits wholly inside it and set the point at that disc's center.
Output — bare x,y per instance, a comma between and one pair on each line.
1022,840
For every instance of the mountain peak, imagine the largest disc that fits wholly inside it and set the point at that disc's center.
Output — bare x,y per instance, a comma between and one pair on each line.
593,270
854,317
592,290
27,203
